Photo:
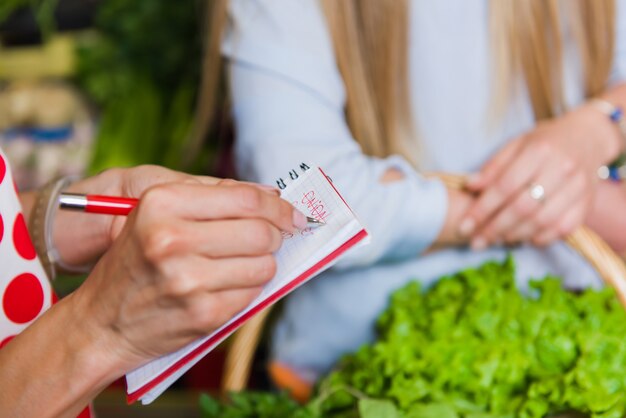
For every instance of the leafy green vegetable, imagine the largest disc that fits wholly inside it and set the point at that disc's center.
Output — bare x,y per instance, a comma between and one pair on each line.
377,408
472,346
251,405
142,69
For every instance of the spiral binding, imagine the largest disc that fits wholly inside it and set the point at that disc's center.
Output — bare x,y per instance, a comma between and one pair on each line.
294,174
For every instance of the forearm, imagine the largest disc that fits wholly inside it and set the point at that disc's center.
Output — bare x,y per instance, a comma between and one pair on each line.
55,367
607,216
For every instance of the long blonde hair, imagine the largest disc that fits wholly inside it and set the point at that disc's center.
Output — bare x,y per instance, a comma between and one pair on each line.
371,37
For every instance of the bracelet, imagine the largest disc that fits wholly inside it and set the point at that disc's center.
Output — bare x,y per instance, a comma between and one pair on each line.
40,225
616,170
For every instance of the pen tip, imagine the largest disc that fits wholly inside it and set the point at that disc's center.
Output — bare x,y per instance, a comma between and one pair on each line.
315,221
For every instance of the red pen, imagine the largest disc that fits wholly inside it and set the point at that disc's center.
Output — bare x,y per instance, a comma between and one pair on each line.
108,205
112,205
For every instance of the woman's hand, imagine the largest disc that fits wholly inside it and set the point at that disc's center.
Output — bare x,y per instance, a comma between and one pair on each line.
539,187
96,233
187,259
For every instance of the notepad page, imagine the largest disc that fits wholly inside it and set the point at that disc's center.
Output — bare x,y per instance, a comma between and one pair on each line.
313,195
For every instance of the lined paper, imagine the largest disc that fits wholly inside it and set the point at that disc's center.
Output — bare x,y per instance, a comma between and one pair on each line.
303,255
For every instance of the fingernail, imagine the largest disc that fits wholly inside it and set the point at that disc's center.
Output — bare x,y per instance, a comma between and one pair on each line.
299,219
478,243
467,227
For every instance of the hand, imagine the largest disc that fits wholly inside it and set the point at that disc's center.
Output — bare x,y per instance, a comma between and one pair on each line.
558,157
188,258
96,233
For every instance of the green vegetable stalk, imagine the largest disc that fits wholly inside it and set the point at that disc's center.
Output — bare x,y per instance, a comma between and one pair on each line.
142,70
473,346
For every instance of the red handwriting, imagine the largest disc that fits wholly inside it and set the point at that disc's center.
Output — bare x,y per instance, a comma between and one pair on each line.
315,206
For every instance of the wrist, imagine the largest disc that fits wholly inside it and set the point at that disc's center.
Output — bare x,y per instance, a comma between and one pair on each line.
615,118
616,170
603,140
60,366
459,202
93,346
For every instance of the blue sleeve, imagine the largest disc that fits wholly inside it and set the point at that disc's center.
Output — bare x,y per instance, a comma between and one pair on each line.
288,104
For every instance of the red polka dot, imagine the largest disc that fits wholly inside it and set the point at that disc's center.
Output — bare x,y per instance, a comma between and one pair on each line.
23,298
55,298
1,228
21,239
3,168
6,341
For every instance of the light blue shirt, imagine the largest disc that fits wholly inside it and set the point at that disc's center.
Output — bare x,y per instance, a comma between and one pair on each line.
288,102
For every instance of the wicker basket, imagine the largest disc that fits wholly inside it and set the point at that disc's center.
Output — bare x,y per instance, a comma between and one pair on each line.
244,343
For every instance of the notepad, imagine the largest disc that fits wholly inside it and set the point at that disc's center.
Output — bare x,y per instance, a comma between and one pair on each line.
302,256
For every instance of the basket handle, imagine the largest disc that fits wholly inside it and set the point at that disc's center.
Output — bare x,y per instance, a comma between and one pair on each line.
590,246
240,353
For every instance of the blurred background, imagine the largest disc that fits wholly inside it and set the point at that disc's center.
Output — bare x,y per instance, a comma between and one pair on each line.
90,84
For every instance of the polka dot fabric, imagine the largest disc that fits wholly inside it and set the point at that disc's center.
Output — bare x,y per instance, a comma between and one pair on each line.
25,291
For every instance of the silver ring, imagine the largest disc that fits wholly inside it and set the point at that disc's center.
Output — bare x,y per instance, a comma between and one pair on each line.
537,192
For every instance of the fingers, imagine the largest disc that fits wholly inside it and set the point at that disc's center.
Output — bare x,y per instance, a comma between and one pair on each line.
551,220
200,202
562,227
560,219
502,191
205,312
494,167
135,181
520,210
207,180
138,179
192,274
215,239
264,187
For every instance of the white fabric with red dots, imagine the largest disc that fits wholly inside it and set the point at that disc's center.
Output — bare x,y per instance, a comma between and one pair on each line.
25,289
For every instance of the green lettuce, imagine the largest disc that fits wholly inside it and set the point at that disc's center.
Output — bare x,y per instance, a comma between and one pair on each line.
473,346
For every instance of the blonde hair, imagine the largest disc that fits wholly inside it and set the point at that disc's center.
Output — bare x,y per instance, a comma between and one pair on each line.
527,40
370,38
